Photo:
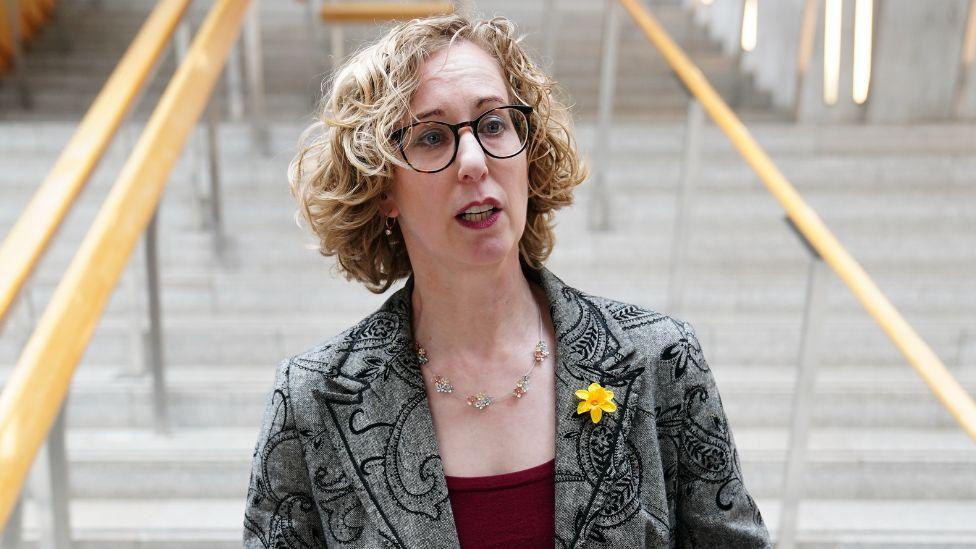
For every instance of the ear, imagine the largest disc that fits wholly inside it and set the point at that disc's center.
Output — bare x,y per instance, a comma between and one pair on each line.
388,206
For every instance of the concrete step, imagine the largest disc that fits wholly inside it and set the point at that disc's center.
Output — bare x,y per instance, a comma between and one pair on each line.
899,197
759,398
710,247
845,463
908,220
197,291
849,173
149,523
824,523
217,295
730,340
197,337
954,140
869,524
285,31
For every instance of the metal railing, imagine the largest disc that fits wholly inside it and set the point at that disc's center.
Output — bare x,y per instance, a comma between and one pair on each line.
44,370
31,234
824,249
809,224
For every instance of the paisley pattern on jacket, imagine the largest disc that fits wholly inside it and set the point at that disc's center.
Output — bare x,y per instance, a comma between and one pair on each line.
347,455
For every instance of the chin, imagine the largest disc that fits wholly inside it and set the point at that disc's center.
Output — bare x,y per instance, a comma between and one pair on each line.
490,252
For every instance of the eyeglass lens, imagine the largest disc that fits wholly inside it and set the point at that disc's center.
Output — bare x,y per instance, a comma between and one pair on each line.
430,146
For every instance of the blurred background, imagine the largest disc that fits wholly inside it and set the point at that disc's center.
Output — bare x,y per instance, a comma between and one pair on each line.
152,274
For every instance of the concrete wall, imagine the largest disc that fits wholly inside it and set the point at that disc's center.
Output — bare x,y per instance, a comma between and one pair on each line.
919,44
915,64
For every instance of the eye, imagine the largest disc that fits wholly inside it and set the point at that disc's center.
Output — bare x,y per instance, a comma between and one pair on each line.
429,137
493,126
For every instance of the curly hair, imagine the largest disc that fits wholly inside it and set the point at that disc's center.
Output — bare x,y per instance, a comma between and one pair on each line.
345,161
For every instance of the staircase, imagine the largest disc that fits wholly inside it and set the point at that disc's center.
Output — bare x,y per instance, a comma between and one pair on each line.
888,467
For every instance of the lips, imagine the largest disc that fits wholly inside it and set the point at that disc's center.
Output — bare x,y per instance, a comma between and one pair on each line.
479,206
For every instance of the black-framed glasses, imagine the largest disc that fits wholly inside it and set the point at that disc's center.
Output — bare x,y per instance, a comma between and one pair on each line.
431,146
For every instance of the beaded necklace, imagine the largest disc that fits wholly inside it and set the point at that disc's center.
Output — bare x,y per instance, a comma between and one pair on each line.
482,400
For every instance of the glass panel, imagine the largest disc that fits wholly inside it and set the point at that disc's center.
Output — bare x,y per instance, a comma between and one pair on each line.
503,131
428,145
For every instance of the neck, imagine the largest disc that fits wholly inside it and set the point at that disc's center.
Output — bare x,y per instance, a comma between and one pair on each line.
475,317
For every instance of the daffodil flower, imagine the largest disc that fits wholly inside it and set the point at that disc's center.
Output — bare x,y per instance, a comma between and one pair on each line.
595,400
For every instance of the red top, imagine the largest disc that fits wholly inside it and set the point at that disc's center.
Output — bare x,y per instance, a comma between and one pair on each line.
504,511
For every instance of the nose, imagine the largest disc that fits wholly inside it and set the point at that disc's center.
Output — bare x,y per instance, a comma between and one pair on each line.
472,164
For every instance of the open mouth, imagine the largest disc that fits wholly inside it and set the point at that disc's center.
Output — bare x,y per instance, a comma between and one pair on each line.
477,215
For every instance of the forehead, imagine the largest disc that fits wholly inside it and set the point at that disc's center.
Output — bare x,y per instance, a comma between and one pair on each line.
456,76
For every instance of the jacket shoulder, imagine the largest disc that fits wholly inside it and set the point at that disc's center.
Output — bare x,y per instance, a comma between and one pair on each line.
377,331
667,346
647,328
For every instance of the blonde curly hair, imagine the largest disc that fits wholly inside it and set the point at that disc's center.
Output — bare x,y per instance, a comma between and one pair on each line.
345,161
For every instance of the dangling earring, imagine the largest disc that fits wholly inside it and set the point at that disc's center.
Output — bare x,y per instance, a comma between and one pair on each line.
388,229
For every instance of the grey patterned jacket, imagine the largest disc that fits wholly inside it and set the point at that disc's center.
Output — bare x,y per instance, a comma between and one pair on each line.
347,457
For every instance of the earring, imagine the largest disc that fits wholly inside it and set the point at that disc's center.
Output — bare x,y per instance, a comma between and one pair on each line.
388,229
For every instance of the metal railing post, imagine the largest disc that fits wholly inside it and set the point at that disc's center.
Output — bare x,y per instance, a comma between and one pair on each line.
194,152
255,78
60,31
12,533
19,61
51,488
690,160
550,14
804,52
235,85
599,218
155,335
313,31
337,44
803,398
215,220
962,353
735,93
23,312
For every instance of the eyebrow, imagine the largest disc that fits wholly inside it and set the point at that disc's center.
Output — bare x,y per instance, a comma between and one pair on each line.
480,103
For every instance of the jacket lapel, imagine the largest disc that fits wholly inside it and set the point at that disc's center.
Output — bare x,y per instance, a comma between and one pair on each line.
376,413
590,346
375,410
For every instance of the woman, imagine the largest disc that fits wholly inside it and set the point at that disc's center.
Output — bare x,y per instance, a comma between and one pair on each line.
486,403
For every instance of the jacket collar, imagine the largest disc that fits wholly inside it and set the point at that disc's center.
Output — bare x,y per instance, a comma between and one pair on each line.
375,407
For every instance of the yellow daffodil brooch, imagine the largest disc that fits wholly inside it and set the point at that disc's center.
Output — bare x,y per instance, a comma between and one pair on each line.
595,400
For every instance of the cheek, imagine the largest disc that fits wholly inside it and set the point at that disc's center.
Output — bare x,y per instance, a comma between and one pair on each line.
421,198
403,191
523,188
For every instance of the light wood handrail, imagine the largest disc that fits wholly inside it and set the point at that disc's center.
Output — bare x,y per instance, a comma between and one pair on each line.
913,347
6,42
368,12
38,384
30,15
32,233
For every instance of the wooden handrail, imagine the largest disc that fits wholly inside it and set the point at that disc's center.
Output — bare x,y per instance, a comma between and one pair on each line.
368,12
30,15
31,234
6,42
913,347
38,384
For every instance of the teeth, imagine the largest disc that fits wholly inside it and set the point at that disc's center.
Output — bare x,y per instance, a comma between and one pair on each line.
478,209
476,216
